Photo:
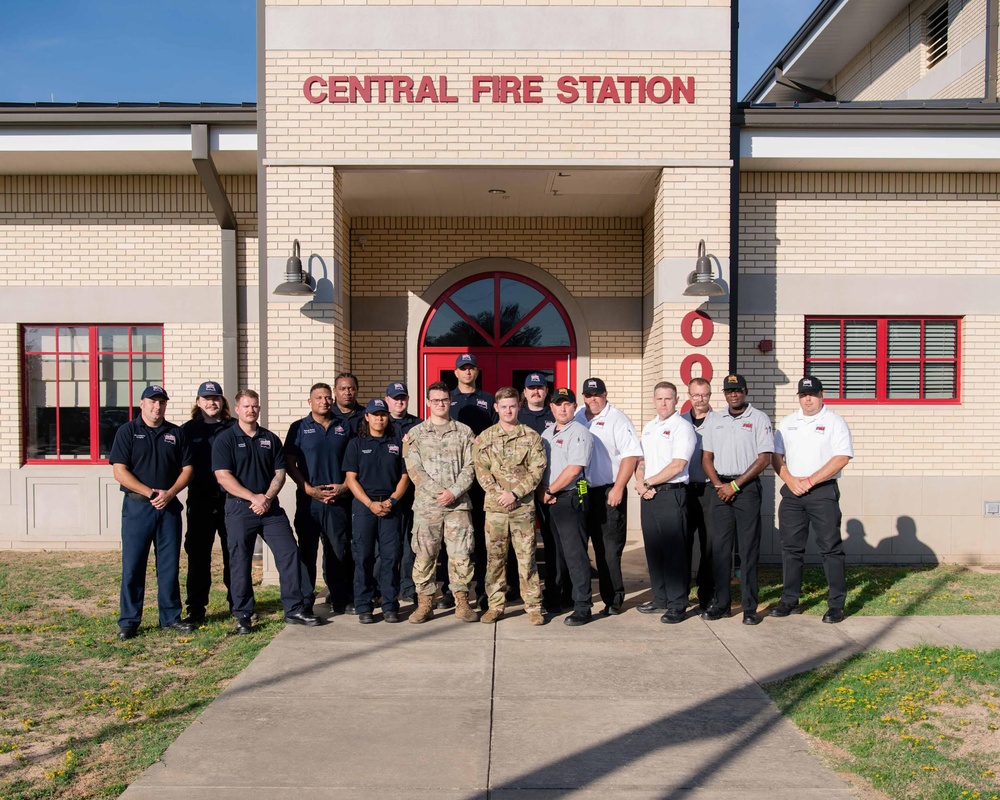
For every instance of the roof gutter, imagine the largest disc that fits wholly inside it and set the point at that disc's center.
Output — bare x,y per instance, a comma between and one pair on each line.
735,120
974,116
19,115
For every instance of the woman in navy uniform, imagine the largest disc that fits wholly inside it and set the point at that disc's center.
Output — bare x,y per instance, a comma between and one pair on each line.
206,502
376,475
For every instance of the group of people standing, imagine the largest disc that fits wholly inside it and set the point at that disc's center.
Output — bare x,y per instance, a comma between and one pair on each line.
426,511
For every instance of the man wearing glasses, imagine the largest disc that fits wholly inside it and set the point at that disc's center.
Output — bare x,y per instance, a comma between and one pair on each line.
736,447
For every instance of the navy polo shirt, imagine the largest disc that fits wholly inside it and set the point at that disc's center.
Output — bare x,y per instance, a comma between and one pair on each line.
154,455
253,460
475,409
538,421
351,418
401,426
378,464
319,452
200,437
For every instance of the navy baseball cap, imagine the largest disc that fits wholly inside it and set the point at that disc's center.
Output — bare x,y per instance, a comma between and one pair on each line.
563,396
154,391
734,383
210,389
376,406
594,386
396,389
810,385
466,360
534,379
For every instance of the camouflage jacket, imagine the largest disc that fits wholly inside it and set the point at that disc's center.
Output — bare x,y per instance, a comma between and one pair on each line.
439,457
511,462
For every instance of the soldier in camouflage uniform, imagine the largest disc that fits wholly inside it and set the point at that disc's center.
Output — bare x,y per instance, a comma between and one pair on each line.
438,455
510,460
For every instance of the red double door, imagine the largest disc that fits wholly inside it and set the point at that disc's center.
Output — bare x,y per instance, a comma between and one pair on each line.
496,370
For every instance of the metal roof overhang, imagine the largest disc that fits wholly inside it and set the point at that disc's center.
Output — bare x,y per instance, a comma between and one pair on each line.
826,43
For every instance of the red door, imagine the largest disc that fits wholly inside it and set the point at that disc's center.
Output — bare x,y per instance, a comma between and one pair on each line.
512,325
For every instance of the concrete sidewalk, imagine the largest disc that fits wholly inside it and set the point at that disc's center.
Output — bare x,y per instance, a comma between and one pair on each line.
625,707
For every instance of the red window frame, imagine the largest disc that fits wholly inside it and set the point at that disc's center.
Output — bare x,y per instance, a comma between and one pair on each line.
882,360
93,354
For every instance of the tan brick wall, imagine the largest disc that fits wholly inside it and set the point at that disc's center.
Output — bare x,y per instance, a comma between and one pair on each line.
192,354
616,357
248,344
10,397
851,223
116,230
580,252
378,358
307,342
467,130
896,58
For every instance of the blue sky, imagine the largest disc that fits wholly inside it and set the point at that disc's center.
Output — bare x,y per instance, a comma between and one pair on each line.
187,51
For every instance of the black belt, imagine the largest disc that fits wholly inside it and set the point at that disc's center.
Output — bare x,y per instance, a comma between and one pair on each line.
831,482
379,498
670,486
731,478
139,498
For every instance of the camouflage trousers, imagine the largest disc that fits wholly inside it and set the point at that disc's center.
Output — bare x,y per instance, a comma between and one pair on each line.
517,528
432,527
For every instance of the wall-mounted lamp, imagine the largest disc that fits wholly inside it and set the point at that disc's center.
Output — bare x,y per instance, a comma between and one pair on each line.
765,346
700,282
296,280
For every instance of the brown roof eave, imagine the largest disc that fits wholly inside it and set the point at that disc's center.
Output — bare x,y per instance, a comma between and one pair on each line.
973,116
152,117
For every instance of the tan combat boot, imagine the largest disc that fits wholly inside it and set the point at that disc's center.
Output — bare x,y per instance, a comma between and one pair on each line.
492,615
535,617
424,610
463,610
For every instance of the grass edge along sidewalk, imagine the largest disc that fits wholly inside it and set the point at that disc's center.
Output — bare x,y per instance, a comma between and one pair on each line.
82,715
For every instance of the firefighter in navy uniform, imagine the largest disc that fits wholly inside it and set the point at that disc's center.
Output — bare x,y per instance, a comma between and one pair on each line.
376,475
250,466
206,502
152,462
397,399
475,408
314,450
345,392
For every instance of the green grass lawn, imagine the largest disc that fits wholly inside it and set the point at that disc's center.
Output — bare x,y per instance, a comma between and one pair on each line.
82,714
921,723
895,591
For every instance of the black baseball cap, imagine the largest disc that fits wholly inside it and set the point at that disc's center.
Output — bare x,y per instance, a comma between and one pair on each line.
376,406
563,396
466,360
810,385
734,383
534,379
396,389
594,386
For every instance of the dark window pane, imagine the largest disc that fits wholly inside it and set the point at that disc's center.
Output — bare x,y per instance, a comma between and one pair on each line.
545,329
904,339
516,300
860,338
448,329
939,382
476,300
823,339
113,340
39,340
147,340
859,381
940,339
110,419
903,381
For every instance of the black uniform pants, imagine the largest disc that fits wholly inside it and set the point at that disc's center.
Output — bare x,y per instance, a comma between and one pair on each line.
555,573
606,526
243,527
739,520
329,524
569,522
142,526
666,539
819,507
206,516
699,510
367,529
406,554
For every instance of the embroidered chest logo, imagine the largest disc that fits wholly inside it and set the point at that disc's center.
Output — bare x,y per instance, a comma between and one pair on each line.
308,430
820,429
666,433
169,438
339,430
139,436
481,403
559,441
265,443
367,452
394,449
600,424
240,444
748,426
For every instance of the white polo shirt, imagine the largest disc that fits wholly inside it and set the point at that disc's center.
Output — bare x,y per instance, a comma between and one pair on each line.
808,443
663,440
614,439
